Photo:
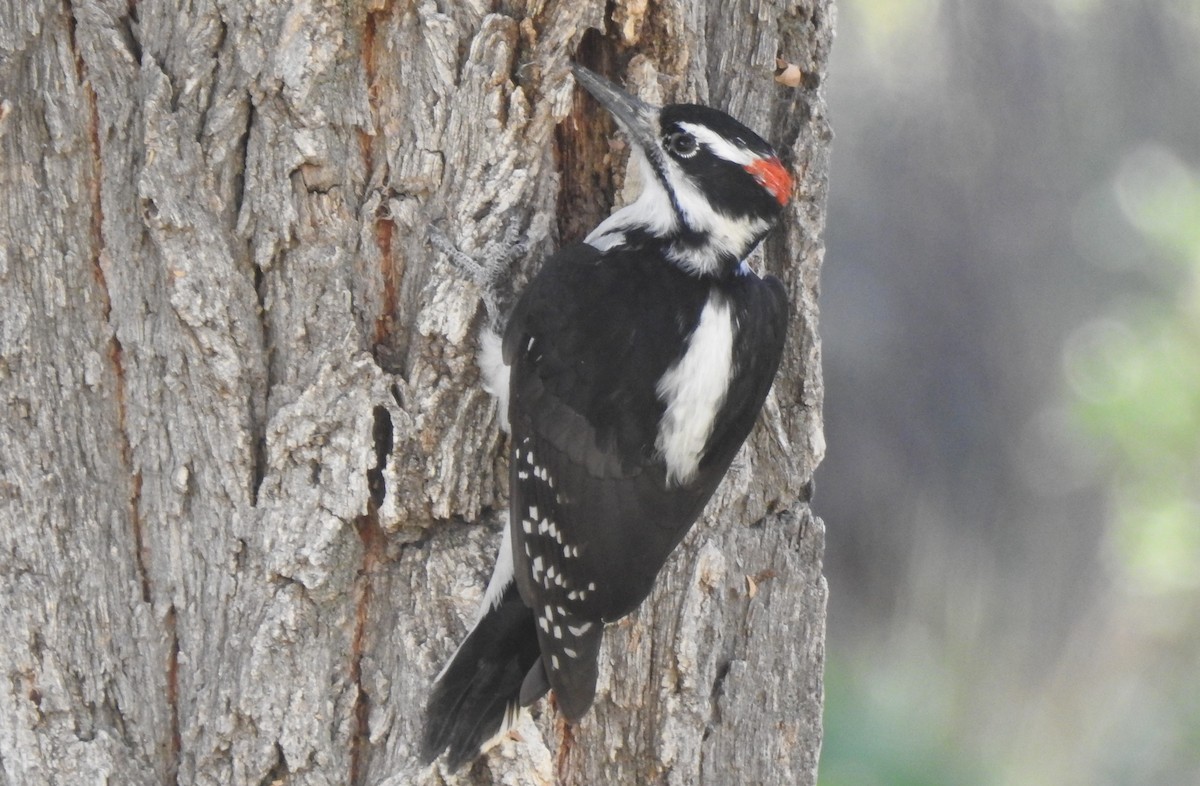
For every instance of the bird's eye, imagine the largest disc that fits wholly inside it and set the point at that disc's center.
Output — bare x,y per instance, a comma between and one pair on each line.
681,144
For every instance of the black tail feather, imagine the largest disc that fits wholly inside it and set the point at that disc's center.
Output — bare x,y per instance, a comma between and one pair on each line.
536,684
483,682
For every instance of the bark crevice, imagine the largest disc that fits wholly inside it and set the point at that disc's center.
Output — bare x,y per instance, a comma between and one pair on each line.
374,543
175,738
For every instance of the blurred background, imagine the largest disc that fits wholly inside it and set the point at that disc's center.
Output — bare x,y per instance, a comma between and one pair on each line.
1011,324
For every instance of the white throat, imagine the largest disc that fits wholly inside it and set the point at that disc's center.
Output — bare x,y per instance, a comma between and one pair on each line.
651,211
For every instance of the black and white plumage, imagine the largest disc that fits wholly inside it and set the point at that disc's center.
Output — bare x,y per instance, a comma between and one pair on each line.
634,366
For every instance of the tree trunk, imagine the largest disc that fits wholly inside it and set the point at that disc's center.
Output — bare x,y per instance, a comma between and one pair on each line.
250,487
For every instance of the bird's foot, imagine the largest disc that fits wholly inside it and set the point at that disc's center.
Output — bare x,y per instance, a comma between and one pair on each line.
488,275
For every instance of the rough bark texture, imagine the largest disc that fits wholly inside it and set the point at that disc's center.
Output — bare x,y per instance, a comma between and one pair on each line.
249,486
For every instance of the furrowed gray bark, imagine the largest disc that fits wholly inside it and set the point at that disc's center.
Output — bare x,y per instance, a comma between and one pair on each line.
250,488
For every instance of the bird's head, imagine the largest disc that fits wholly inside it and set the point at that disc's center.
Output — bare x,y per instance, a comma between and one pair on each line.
712,187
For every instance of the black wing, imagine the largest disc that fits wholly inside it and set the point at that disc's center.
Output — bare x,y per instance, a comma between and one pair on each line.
593,515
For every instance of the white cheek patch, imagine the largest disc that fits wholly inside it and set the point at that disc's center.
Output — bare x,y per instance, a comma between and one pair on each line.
728,236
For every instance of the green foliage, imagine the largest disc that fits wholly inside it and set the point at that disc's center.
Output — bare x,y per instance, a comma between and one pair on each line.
993,193
1138,387
890,727
885,20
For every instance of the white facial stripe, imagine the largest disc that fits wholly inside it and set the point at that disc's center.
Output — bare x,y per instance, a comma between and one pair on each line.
693,391
719,145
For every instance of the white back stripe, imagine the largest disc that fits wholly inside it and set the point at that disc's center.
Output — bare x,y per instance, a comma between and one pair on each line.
694,389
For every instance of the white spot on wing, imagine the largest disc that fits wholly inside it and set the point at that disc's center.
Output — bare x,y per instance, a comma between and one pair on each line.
694,389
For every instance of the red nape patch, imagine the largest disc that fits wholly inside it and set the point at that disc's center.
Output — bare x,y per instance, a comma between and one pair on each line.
771,175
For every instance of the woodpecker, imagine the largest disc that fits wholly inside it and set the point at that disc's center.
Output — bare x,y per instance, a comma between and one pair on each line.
631,370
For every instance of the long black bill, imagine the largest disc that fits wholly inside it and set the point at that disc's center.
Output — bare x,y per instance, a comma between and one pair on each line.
638,119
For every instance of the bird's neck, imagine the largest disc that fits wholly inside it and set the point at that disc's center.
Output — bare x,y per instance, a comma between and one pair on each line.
707,244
